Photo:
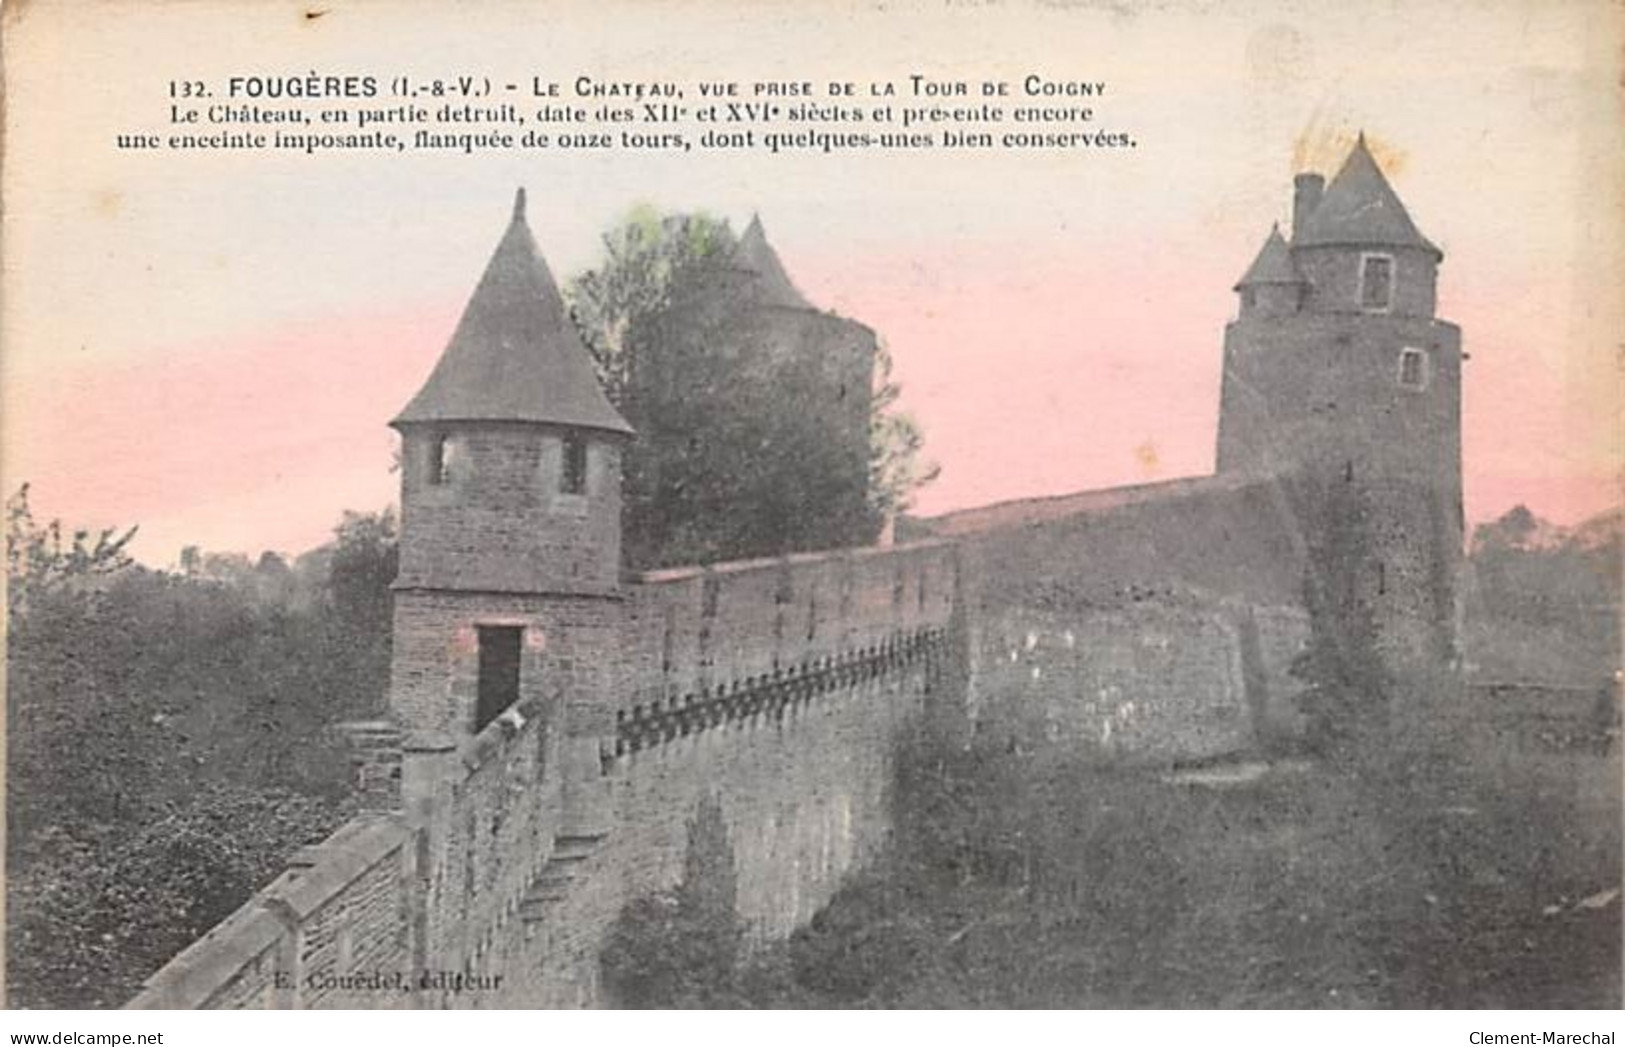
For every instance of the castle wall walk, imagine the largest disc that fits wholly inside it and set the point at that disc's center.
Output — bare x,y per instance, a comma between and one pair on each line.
773,689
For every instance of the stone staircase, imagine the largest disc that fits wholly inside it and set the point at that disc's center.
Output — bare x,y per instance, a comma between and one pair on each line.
552,884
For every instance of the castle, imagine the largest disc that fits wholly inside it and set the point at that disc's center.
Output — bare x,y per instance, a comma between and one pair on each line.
555,723
1338,369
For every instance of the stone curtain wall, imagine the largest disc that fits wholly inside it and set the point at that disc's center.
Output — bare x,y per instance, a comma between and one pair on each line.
801,788
1155,682
695,630
1161,681
772,691
774,688
1158,627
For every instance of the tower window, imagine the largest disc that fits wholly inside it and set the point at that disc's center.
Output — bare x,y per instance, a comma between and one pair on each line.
1376,281
1413,368
573,476
438,466
499,672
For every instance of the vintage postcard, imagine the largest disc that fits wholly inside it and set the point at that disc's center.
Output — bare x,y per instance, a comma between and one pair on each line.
845,505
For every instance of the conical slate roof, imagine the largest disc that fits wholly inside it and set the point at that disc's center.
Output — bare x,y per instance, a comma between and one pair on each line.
515,356
1360,208
772,285
1274,264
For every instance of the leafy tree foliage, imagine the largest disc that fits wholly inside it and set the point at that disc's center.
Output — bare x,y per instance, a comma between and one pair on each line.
1543,601
681,947
897,468
1348,685
145,705
94,909
742,451
646,258
1530,569
1036,878
38,561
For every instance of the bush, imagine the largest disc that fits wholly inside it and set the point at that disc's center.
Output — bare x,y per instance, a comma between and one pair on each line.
90,916
681,947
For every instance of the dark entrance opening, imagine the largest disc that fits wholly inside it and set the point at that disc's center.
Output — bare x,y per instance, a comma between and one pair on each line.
499,672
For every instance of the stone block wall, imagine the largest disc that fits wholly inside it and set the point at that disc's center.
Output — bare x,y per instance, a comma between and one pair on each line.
802,790
772,689
1158,682
312,936
498,520
499,806
692,631
1155,627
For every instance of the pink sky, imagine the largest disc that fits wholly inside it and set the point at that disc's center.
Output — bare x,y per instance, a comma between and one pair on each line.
211,346
1021,390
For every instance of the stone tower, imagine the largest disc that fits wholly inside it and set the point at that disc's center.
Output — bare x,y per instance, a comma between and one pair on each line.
1337,371
508,597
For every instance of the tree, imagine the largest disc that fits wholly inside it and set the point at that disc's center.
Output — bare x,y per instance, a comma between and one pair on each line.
645,258
746,447
681,947
896,470
93,913
1342,664
366,556
38,561
168,736
73,739
1516,529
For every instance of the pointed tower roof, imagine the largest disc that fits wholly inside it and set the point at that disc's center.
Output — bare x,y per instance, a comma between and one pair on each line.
515,356
1274,264
1360,208
773,284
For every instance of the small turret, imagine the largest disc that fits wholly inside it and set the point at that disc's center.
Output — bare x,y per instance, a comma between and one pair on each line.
511,451
1272,285
508,603
510,515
